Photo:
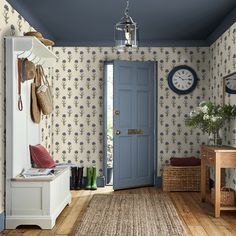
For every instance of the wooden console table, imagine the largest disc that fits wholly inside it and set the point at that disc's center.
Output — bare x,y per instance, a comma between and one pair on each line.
216,157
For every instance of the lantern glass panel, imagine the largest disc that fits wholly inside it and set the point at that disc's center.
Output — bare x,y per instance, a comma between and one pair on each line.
126,35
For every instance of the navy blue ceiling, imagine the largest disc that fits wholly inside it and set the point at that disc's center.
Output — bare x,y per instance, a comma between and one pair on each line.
161,22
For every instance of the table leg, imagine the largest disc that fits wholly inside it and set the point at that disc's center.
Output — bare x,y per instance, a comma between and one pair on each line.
217,189
203,181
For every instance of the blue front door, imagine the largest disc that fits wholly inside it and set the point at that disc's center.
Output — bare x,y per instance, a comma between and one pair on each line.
133,124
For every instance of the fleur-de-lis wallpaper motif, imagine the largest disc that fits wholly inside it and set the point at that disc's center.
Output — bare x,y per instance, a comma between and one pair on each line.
80,103
223,62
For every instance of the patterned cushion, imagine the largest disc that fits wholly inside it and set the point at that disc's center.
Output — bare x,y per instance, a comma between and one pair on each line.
185,161
41,157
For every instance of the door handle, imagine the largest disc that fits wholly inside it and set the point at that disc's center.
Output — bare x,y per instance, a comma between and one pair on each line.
117,112
118,132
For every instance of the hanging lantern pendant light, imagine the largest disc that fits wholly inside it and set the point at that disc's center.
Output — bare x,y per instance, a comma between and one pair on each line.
126,31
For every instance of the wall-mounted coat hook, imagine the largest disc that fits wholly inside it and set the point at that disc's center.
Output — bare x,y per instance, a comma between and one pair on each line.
18,55
21,54
38,61
43,62
33,60
29,54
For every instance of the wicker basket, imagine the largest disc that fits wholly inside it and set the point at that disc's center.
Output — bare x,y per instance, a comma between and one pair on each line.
227,196
181,178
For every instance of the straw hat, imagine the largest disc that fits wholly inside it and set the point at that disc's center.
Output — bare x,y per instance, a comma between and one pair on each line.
28,70
39,36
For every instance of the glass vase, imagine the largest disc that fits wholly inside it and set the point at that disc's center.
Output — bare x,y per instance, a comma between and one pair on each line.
214,139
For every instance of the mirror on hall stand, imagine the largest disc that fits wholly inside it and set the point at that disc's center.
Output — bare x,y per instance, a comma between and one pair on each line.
229,97
224,92
229,88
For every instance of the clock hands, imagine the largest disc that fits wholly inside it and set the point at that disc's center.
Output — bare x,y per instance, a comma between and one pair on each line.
183,78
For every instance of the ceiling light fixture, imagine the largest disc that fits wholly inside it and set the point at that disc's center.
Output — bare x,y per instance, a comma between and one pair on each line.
126,32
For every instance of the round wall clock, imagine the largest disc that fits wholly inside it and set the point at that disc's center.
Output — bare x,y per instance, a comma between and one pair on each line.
182,79
230,83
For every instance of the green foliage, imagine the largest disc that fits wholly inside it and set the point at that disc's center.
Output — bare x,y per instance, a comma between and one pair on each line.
109,146
210,117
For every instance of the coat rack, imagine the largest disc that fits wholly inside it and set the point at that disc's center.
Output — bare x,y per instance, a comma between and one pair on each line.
29,202
33,49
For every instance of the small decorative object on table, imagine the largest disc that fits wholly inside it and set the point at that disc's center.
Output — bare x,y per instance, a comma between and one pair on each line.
210,118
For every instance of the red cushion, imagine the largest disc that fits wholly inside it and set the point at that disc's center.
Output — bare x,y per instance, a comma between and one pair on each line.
185,161
41,156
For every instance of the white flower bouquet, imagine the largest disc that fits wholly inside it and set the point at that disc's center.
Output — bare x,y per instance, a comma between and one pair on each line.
210,117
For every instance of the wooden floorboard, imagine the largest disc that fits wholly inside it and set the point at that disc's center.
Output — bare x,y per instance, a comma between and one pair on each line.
197,217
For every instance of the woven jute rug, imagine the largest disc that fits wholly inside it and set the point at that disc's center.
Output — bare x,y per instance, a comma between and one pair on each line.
130,215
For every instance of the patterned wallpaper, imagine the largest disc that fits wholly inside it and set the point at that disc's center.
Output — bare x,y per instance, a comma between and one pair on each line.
223,62
78,102
75,133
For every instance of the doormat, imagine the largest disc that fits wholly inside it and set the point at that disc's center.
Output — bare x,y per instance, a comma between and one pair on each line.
131,215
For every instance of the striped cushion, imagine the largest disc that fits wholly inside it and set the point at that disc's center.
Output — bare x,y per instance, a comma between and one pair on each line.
41,157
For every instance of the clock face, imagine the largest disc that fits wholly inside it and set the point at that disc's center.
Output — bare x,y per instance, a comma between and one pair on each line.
182,79
230,83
